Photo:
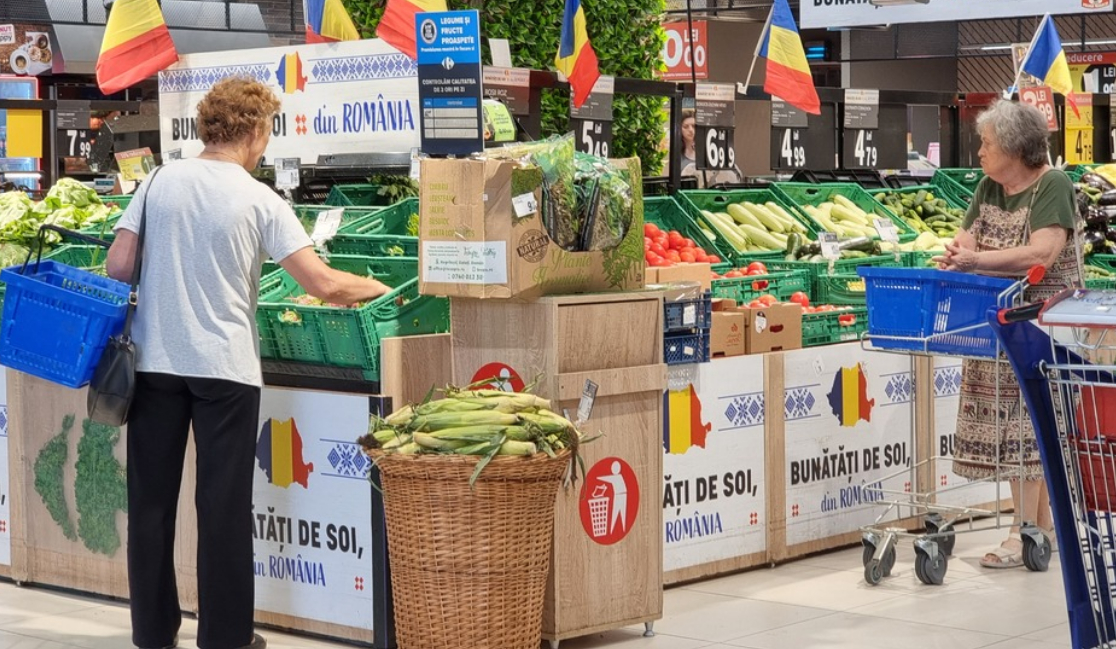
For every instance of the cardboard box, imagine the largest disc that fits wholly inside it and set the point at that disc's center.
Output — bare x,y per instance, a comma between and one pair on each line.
700,273
473,243
650,276
723,304
726,335
774,328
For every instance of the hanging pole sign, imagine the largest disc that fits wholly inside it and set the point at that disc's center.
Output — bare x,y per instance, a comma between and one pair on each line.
715,119
861,121
449,72
818,14
788,135
592,122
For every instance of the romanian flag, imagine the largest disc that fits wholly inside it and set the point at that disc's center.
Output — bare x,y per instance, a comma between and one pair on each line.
137,44
576,58
289,74
788,73
397,26
682,424
327,22
849,396
279,452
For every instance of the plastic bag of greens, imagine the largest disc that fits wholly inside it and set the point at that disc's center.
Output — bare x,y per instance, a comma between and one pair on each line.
555,159
604,200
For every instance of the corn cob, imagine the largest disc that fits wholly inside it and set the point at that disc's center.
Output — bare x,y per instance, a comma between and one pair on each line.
512,447
438,421
546,423
448,405
400,417
479,433
385,435
480,448
396,442
522,400
409,448
428,441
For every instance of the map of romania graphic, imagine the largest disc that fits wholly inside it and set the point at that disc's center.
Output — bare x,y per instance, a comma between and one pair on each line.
849,396
279,452
683,426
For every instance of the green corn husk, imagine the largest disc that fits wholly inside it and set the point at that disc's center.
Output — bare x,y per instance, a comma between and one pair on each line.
448,405
410,448
434,443
546,423
400,417
513,447
397,441
438,421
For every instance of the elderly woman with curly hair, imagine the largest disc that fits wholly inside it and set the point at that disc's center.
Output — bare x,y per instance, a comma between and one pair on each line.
1022,215
209,227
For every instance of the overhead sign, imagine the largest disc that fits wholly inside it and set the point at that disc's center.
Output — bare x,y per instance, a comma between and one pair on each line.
715,119
851,13
787,115
1093,72
862,108
449,70
686,51
509,86
1079,130
348,97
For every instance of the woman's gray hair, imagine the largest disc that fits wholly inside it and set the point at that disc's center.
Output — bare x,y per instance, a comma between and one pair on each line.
1019,130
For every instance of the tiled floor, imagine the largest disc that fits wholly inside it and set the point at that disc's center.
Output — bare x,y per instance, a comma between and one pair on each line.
813,603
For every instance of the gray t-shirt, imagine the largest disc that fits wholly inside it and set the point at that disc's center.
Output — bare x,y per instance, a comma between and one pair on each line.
210,226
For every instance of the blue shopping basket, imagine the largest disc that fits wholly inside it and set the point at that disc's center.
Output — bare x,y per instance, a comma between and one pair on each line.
931,310
57,320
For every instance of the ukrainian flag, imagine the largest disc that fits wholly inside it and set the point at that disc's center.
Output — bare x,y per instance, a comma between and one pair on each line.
1045,59
327,22
788,73
136,45
576,58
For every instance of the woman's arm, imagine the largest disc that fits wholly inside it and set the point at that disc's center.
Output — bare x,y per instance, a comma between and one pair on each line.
1042,249
122,256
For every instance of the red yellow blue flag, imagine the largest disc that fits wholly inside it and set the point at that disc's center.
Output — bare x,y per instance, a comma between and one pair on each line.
327,21
397,26
289,73
788,73
576,58
136,45
683,426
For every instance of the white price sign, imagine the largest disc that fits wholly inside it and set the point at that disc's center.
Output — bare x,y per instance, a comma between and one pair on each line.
286,173
830,247
887,230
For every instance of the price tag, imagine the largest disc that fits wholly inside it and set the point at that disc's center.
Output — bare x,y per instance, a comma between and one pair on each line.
715,148
173,154
593,137
416,164
887,230
592,121
1079,146
1041,98
525,205
585,406
862,109
788,148
830,247
78,142
325,227
287,173
860,150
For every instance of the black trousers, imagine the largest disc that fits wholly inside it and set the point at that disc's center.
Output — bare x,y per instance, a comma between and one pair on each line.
225,415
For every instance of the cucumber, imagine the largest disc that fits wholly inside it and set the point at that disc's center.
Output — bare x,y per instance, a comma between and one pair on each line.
743,216
762,237
794,245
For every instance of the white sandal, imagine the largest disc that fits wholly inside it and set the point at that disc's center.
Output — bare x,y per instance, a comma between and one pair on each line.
1005,557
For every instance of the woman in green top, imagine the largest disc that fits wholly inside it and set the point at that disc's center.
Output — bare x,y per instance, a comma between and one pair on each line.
1022,215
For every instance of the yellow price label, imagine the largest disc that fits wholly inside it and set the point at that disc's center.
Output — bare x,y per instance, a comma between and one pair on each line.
1083,117
1079,146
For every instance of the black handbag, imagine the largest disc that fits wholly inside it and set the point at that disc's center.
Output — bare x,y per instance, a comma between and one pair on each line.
114,381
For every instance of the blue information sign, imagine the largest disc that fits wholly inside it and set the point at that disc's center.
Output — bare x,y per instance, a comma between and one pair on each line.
449,72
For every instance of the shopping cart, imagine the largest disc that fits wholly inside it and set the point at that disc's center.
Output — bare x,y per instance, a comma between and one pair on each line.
927,312
1067,375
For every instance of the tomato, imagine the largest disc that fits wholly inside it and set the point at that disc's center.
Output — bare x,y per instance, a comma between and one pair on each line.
650,230
700,256
687,257
756,304
734,274
768,299
800,298
663,241
658,250
650,257
673,256
758,265
660,262
688,243
714,259
755,271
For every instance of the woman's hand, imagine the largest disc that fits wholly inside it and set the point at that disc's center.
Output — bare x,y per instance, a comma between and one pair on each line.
958,258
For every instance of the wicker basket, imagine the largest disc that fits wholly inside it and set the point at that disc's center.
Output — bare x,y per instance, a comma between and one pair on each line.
469,565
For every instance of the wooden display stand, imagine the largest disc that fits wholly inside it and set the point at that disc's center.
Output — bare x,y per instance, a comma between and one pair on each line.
41,551
614,340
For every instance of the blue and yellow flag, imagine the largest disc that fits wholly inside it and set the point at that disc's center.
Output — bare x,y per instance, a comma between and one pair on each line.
1046,60
576,58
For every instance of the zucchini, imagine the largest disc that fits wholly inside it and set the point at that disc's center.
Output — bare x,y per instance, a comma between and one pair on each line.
794,245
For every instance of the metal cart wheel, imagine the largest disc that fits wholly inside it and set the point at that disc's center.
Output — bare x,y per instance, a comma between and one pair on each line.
876,569
943,533
1036,550
930,563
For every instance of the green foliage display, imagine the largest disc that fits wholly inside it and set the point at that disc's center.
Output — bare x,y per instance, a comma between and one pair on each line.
625,34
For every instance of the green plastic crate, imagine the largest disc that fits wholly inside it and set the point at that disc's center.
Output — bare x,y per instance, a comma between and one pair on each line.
668,214
347,337
308,214
745,289
395,219
122,201
841,289
802,194
1107,262
958,183
830,327
85,257
921,258
356,195
1106,283
374,245
694,201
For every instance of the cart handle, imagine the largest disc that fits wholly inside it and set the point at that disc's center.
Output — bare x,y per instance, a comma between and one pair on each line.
1020,313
